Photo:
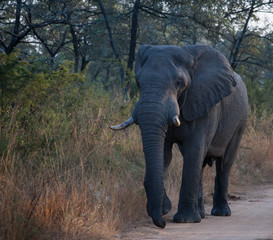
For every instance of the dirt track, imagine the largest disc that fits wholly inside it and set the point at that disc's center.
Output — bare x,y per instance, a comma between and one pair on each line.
251,219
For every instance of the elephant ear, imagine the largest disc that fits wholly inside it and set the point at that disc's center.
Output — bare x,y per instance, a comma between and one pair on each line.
212,80
141,58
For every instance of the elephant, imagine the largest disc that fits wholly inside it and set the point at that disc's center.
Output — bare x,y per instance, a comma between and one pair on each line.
189,96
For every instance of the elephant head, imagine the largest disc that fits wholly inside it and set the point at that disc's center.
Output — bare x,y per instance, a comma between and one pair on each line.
176,84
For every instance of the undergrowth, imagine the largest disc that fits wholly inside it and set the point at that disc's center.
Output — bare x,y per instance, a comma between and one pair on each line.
84,185
255,161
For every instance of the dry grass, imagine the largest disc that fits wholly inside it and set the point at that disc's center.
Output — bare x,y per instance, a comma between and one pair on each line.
87,187
255,162
90,186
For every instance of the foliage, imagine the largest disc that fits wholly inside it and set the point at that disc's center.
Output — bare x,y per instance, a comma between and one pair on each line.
14,77
35,98
260,95
77,31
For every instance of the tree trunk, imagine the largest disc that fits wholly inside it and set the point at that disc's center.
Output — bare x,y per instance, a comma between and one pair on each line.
132,48
84,63
15,38
112,44
76,48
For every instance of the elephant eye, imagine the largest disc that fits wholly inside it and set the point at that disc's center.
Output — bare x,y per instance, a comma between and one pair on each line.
178,83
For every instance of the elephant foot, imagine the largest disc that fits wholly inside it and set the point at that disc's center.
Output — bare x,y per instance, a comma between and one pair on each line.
221,210
187,217
166,205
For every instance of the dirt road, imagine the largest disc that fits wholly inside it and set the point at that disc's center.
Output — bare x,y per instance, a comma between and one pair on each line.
251,219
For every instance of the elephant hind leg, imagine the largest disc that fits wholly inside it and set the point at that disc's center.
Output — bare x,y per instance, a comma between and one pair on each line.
220,204
223,168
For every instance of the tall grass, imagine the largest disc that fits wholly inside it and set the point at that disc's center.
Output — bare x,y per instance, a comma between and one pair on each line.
85,186
88,184
255,161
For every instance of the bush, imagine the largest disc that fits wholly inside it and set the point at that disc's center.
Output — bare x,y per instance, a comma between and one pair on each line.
40,103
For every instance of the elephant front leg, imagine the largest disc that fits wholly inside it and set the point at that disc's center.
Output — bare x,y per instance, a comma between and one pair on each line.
188,206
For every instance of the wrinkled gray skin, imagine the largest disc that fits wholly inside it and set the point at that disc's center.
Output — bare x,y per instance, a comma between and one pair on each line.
197,84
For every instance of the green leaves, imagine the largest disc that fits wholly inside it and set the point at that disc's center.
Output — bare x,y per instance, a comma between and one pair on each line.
38,99
14,77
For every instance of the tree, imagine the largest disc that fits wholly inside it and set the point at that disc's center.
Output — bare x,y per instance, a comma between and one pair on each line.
107,33
12,34
18,19
112,43
54,45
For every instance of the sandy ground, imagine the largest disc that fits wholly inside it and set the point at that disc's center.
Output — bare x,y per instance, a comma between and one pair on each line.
251,219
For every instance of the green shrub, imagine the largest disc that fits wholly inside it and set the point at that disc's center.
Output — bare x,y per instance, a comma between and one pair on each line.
39,103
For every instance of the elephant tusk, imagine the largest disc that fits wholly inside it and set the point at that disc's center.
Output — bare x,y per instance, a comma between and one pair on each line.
176,120
124,125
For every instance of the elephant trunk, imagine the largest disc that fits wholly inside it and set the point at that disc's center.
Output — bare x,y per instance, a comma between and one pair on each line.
152,121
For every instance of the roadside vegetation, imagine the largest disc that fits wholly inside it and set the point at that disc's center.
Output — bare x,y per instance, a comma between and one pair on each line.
66,72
